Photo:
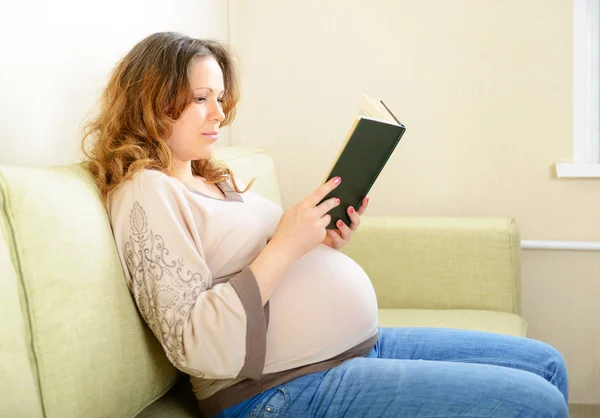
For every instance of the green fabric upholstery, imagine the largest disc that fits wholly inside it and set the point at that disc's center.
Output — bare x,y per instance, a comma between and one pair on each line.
249,163
179,402
441,263
95,356
72,343
18,384
489,321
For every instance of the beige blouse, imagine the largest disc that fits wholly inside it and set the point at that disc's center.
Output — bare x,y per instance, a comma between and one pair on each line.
186,256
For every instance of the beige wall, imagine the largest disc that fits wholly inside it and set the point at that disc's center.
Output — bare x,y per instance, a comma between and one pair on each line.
56,57
484,89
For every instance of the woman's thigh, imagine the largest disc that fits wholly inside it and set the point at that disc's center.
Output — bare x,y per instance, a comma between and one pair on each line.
374,387
474,347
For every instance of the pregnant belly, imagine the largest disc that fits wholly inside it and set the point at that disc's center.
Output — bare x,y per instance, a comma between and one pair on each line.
323,306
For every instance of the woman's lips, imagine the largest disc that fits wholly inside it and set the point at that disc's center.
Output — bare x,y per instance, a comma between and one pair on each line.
211,135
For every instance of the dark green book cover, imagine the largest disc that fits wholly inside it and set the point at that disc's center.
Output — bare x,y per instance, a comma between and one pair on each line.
369,145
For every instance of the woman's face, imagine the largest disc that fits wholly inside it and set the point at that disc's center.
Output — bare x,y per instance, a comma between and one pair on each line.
197,129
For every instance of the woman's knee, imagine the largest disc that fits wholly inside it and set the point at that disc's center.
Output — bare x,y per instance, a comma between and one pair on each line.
554,363
518,393
550,400
443,388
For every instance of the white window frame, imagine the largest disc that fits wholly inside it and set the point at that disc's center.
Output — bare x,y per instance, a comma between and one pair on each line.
586,93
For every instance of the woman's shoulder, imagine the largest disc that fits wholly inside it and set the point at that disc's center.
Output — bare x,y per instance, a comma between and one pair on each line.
146,185
147,177
155,176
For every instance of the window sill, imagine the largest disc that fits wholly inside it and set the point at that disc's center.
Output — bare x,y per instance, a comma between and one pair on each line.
577,170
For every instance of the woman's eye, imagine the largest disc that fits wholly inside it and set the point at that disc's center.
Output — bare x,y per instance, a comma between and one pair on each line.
202,99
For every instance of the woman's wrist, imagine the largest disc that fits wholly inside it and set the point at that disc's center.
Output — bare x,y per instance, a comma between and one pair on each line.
270,266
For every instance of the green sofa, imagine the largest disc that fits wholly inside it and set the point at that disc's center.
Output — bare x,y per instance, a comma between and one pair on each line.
73,345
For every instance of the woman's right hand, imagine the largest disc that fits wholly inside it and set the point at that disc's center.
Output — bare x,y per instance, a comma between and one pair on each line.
302,227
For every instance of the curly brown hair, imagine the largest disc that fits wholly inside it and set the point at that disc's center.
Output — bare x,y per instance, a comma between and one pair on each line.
147,91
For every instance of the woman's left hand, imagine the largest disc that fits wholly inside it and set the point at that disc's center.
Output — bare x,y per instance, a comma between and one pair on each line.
337,238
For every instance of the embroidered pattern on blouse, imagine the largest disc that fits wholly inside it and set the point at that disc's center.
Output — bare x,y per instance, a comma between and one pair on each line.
164,288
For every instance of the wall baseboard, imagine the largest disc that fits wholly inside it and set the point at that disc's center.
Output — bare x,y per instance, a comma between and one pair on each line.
584,410
560,245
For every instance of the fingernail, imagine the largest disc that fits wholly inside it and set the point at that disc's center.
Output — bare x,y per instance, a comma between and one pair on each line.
367,200
337,180
351,209
337,201
340,224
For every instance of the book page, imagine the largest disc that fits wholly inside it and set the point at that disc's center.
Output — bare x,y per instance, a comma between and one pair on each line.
368,108
373,109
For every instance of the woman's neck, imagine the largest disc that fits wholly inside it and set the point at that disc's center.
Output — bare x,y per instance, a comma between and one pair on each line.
182,170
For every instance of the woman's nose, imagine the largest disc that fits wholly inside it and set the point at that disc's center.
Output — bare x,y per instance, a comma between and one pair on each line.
218,111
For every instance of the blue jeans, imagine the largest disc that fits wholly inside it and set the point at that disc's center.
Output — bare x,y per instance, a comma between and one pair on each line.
427,372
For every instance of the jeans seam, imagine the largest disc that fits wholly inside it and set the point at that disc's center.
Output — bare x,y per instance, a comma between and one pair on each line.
484,360
286,399
260,409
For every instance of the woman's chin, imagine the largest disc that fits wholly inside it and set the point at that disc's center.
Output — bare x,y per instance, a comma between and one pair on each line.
206,152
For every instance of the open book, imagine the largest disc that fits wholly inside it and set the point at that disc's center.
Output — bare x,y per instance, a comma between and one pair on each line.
369,144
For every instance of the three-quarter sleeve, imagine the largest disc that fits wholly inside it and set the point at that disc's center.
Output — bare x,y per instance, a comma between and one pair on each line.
212,332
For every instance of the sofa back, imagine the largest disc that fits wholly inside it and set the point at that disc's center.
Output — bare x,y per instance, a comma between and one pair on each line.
250,162
18,383
72,341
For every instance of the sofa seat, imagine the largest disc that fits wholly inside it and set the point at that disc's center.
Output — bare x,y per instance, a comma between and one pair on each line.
180,401
76,345
478,320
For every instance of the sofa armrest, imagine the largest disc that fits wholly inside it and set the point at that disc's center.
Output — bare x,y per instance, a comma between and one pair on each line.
441,263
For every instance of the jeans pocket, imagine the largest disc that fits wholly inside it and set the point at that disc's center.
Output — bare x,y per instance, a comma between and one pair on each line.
274,406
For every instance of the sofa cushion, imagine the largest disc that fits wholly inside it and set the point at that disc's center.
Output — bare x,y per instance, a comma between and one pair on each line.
251,162
179,402
95,356
441,262
18,384
477,320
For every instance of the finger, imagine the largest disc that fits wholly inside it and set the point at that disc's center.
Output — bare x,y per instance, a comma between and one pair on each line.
335,236
324,221
326,206
344,229
354,218
315,197
364,206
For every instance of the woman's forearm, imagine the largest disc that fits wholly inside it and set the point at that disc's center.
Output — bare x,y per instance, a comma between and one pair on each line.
270,266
